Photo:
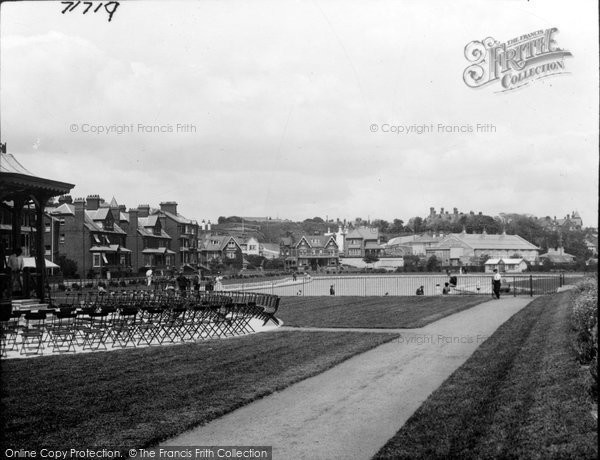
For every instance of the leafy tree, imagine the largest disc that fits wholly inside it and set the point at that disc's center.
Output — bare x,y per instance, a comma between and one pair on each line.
67,266
382,225
255,261
274,264
433,264
411,263
483,258
397,226
370,258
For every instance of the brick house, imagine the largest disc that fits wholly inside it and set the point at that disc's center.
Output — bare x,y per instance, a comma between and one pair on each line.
183,232
90,234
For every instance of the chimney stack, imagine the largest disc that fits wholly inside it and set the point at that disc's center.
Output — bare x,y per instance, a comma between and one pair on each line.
169,206
143,210
93,202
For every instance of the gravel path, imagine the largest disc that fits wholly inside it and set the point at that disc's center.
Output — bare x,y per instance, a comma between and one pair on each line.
351,410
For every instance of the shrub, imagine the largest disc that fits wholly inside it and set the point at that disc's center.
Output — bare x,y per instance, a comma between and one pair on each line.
62,287
88,285
76,286
584,318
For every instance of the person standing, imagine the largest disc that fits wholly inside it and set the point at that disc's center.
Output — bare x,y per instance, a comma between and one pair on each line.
182,282
149,278
496,283
15,264
331,290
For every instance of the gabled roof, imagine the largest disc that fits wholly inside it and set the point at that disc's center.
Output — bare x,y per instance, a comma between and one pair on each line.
176,217
317,241
149,221
493,242
64,208
98,214
94,227
365,233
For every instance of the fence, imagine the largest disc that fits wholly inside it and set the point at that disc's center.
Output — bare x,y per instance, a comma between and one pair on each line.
407,285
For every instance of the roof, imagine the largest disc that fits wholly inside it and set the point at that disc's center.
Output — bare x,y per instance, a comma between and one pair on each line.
177,217
18,181
558,258
505,261
9,164
94,227
365,233
373,245
64,208
149,221
316,241
483,241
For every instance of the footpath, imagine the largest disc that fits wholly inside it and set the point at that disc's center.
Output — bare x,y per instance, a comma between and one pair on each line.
353,409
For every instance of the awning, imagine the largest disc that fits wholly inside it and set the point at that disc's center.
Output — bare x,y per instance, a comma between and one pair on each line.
157,251
109,248
29,262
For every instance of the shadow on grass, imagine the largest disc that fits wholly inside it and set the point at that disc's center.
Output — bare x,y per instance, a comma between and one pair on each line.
136,398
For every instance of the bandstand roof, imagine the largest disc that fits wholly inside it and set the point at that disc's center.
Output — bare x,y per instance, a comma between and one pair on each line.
16,182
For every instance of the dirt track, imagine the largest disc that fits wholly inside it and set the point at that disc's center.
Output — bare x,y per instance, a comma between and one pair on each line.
351,410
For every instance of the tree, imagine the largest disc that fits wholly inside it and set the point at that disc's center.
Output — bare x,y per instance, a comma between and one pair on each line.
67,266
483,258
370,258
433,264
397,226
411,263
255,261
381,225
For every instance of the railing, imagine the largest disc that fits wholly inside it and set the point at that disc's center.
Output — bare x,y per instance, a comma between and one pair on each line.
407,285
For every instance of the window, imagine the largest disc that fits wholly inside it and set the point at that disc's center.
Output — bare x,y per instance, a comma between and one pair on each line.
100,224
231,255
48,250
252,247
104,258
96,238
96,259
61,238
48,227
61,221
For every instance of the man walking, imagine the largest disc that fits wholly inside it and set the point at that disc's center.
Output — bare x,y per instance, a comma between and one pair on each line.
496,283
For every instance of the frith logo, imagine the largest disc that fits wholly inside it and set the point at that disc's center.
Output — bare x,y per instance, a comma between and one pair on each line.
516,62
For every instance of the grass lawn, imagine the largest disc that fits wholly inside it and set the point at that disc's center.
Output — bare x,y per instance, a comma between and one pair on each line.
521,395
371,312
139,397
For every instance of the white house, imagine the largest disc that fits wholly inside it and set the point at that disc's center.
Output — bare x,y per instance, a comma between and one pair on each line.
505,265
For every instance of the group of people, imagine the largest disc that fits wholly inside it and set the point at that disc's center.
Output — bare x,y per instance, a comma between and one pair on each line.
496,285
183,282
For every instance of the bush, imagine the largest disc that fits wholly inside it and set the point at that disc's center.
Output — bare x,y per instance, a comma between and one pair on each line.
62,287
76,286
584,320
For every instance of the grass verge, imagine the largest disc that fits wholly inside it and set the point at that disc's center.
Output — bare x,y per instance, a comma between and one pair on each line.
371,312
137,398
521,395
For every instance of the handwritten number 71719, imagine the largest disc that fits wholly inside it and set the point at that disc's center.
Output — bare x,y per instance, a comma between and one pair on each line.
109,7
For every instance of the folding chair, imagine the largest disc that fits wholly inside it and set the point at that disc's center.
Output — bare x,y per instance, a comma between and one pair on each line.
32,335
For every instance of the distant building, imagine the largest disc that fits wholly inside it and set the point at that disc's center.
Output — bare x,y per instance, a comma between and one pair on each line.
505,265
571,221
312,252
557,256
363,241
458,249
223,248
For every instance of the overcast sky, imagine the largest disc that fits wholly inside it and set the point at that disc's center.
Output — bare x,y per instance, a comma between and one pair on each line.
281,97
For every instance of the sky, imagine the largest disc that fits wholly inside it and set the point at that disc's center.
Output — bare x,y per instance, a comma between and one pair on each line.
297,109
